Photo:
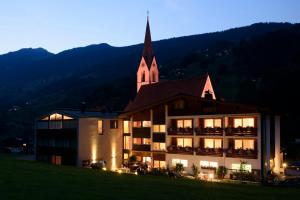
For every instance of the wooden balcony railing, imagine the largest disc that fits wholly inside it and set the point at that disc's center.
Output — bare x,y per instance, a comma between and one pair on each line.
209,151
241,131
180,150
209,131
241,153
180,131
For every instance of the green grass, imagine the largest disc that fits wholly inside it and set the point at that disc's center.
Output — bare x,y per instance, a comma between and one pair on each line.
32,180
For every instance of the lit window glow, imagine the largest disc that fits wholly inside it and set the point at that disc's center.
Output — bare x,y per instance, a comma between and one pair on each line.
187,123
126,126
244,122
183,162
159,128
185,142
237,167
204,163
245,144
159,146
213,143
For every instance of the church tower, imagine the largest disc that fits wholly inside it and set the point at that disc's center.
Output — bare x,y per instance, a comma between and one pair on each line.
147,72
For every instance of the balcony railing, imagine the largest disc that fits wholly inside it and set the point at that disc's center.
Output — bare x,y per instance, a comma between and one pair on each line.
141,147
241,131
180,131
241,153
209,131
209,151
180,150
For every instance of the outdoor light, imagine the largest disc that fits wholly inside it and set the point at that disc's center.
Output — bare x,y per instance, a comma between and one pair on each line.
120,171
211,176
284,165
104,168
24,145
135,173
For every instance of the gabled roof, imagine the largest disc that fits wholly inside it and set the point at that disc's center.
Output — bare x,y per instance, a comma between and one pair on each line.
157,92
148,51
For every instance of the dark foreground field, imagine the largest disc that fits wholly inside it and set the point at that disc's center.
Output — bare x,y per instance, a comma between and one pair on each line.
31,180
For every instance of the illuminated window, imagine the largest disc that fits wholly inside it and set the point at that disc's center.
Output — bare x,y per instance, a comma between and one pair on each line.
159,128
185,142
113,124
159,164
208,164
244,144
100,127
244,122
245,167
212,123
146,159
126,126
56,116
137,124
187,123
146,124
146,141
126,142
126,156
183,162
159,146
137,140
213,143
67,117
46,118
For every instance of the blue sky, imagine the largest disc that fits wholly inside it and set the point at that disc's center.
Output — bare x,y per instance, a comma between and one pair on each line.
57,25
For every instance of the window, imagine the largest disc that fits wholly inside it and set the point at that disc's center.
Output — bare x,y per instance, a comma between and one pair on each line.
143,77
141,141
244,144
146,124
100,127
159,164
56,116
159,128
159,146
137,124
126,127
183,162
186,123
245,167
146,141
46,118
137,140
243,122
67,117
113,124
212,123
213,143
146,159
126,142
56,160
208,164
153,77
125,156
185,142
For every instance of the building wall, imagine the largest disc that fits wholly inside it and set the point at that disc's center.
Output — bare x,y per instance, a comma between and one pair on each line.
95,147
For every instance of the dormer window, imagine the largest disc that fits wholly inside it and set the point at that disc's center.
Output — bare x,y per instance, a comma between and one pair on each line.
143,77
153,77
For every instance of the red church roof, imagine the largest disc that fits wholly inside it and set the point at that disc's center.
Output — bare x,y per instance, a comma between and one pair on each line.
157,92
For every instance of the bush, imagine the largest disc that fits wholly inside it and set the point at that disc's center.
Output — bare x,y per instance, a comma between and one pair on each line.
179,167
195,170
221,172
132,159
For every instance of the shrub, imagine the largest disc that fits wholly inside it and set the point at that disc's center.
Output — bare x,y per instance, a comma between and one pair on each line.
132,159
179,167
195,170
221,172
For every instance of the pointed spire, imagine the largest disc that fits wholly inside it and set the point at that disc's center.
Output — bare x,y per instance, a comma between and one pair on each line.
148,51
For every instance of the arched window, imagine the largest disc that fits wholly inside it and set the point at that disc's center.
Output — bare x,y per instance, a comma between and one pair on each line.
153,77
143,77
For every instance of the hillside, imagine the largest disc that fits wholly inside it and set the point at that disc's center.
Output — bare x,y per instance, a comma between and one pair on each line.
257,64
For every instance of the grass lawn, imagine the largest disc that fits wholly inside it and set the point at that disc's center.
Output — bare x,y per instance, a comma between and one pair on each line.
32,180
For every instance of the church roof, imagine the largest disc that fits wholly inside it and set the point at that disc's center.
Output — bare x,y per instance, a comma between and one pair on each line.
148,50
157,92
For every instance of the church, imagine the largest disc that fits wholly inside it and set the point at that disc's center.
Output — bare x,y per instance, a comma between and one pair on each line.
168,122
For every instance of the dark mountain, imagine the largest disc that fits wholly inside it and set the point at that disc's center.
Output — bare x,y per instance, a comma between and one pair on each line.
256,64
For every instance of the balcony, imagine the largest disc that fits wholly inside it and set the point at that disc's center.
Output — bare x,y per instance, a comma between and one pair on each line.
180,150
241,153
141,147
209,151
180,131
209,131
241,131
